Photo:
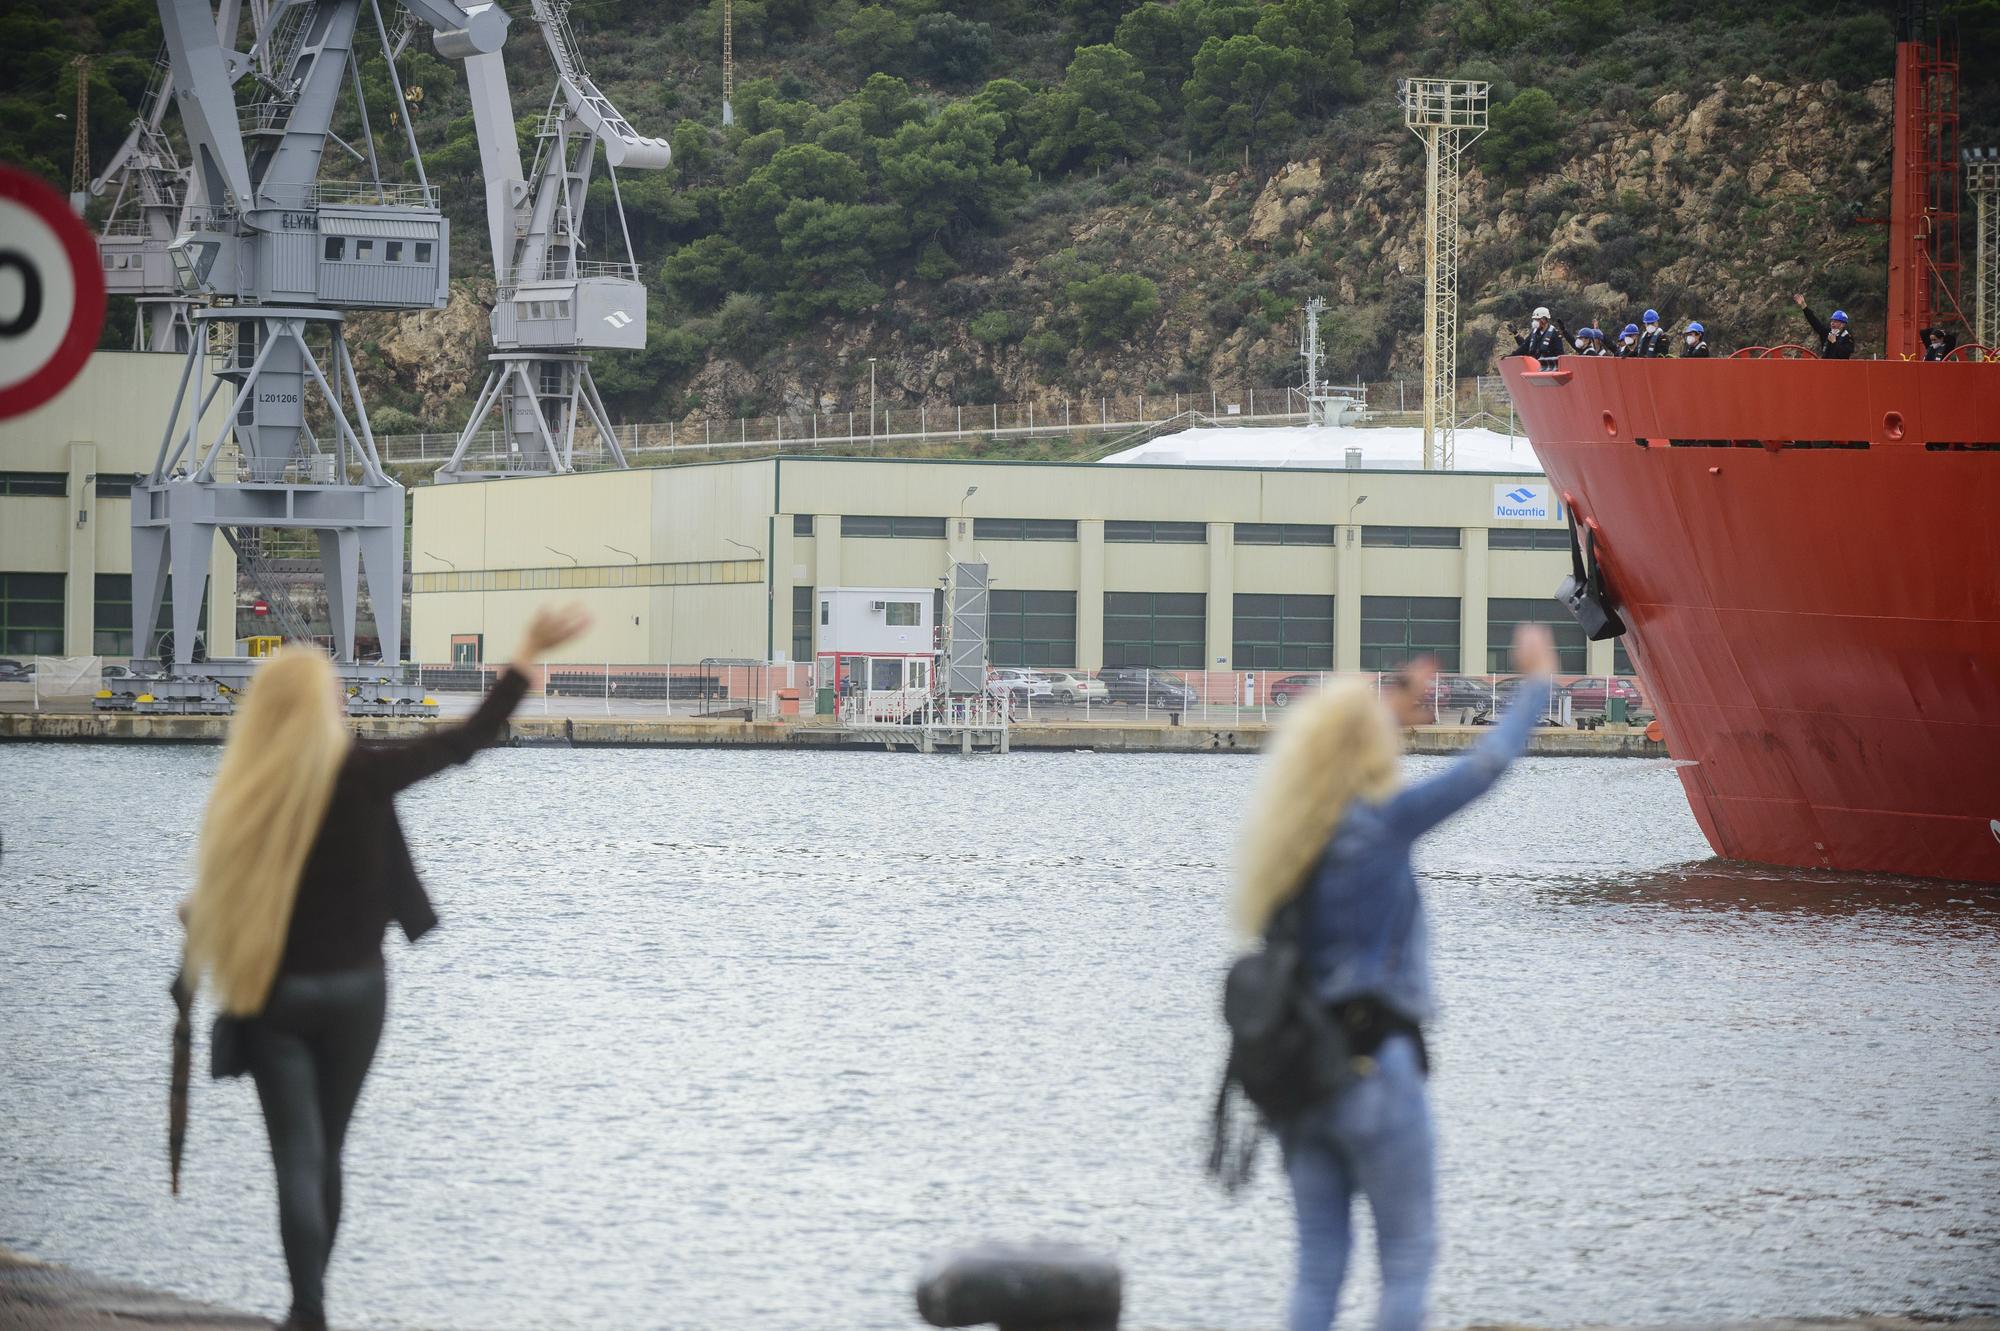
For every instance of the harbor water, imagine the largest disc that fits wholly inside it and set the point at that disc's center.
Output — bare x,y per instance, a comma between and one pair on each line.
715,1039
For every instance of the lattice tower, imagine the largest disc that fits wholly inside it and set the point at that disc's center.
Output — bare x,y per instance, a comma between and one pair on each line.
79,158
1982,182
728,61
1447,114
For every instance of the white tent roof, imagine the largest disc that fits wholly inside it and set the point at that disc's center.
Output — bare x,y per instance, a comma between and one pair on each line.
1326,446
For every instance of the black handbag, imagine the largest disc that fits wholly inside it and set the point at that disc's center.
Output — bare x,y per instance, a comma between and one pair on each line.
1583,592
229,1047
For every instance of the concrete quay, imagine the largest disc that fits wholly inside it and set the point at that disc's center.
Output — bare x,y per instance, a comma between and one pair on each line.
39,1296
590,730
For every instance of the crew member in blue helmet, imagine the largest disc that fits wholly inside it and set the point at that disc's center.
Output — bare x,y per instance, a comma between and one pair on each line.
1696,338
1628,342
1654,341
1835,343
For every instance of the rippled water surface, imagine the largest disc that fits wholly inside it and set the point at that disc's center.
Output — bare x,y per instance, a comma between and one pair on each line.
735,1039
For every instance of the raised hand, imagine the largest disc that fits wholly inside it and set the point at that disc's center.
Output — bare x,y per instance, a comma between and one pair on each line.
1799,299
551,627
1534,650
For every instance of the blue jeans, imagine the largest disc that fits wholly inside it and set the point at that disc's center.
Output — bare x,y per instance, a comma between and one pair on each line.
1374,1137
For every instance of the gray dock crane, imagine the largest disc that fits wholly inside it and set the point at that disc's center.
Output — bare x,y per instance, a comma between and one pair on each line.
278,253
552,304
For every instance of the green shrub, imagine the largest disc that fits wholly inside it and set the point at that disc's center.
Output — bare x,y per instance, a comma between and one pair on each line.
1112,307
1523,136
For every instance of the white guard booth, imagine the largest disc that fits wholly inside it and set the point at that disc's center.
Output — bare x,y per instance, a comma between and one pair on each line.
877,649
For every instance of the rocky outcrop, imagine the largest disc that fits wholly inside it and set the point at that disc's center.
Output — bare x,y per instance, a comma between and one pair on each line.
1714,204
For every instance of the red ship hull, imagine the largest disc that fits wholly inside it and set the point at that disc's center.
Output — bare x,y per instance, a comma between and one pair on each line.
1806,555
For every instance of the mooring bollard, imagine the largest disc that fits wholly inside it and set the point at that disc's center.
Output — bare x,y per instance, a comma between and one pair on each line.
1022,1287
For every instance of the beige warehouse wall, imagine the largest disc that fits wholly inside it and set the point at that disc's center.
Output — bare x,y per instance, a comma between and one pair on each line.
109,421
1302,570
675,517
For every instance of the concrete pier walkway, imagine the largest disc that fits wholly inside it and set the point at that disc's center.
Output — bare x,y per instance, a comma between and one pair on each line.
36,1296
632,730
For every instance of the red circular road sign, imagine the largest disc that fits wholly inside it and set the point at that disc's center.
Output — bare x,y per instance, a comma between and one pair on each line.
51,293
260,607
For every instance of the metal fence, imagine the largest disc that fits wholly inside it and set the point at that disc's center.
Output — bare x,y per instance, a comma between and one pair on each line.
759,691
902,425
749,690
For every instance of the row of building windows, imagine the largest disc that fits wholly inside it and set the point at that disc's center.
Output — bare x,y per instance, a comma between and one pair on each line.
31,613
1188,533
392,251
55,484
1272,631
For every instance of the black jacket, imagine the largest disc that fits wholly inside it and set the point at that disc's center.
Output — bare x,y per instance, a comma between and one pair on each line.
1932,353
1540,343
1698,349
1833,345
1654,342
358,875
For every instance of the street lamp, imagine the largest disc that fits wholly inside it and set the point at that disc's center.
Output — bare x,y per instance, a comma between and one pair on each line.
564,553
616,551
970,491
871,404
1350,517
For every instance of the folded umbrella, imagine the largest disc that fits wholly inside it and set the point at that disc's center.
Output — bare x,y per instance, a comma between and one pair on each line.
177,1094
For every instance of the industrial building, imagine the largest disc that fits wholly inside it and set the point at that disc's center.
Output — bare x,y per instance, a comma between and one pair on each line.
66,472
1189,568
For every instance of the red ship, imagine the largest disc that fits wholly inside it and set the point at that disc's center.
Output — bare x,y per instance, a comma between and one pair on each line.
1805,554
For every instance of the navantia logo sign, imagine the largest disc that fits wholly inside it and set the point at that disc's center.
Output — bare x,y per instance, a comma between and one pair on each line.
1535,502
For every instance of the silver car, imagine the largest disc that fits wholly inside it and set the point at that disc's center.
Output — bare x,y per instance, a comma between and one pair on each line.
1075,686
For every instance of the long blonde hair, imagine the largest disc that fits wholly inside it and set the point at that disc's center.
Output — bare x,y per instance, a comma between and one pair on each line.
285,749
1339,745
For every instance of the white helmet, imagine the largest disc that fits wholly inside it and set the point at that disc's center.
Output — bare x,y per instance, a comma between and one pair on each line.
1541,311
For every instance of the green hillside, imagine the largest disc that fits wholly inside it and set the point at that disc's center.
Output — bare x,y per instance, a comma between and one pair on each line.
1031,200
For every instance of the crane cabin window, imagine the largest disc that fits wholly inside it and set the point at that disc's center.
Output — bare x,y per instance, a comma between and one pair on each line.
423,251
392,251
336,248
364,250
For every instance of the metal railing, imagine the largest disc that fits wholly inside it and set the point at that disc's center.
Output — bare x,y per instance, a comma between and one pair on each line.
901,425
1113,697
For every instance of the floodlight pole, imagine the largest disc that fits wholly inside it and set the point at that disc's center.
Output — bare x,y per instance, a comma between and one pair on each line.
1447,114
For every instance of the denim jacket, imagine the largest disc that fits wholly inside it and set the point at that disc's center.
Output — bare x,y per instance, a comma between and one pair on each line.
1365,931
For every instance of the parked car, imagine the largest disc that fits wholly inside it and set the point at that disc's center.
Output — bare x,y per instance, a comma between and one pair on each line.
1018,685
1143,686
1284,691
1075,687
1461,692
1594,694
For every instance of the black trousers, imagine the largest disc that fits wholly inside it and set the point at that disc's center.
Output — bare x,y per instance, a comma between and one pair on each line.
309,1051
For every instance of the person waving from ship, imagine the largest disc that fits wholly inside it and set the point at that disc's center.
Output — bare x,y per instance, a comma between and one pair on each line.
1696,339
1628,342
1654,341
1835,342
1938,343
1544,339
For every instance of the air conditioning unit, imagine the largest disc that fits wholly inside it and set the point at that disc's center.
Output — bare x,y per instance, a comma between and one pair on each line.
878,605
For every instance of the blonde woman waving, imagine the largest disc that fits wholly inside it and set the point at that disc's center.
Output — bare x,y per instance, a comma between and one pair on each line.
1336,823
302,867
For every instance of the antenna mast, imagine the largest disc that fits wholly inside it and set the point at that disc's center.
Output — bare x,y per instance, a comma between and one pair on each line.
1447,114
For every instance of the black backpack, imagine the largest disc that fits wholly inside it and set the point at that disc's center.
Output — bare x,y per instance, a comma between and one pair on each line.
1286,1053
